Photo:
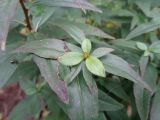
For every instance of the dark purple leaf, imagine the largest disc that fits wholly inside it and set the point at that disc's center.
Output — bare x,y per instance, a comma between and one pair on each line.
49,70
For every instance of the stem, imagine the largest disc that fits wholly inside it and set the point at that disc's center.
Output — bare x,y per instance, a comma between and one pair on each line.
25,10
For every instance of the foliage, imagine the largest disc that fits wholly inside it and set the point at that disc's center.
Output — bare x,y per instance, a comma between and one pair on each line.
82,60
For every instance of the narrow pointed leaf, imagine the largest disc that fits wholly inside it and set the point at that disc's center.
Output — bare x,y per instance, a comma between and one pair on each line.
145,7
25,71
31,107
115,87
83,104
47,48
117,66
73,73
125,44
107,103
94,31
155,47
143,97
73,48
49,70
100,52
7,11
6,70
143,62
40,19
154,115
95,66
87,29
101,116
143,28
82,4
88,78
75,32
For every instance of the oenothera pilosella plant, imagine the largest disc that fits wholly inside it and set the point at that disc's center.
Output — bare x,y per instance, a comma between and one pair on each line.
65,77
93,64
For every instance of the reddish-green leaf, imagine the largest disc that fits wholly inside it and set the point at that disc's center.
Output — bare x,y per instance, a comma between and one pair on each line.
49,70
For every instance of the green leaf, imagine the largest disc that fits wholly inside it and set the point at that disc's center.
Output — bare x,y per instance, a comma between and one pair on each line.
84,103
94,31
29,87
88,77
7,11
154,115
101,116
71,58
115,87
47,48
95,66
118,115
143,99
6,71
69,3
143,62
155,47
73,48
141,46
40,15
29,107
117,66
143,28
75,32
86,46
25,71
87,29
145,6
106,103
146,53
73,73
54,108
100,52
151,75
125,44
49,70
7,68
